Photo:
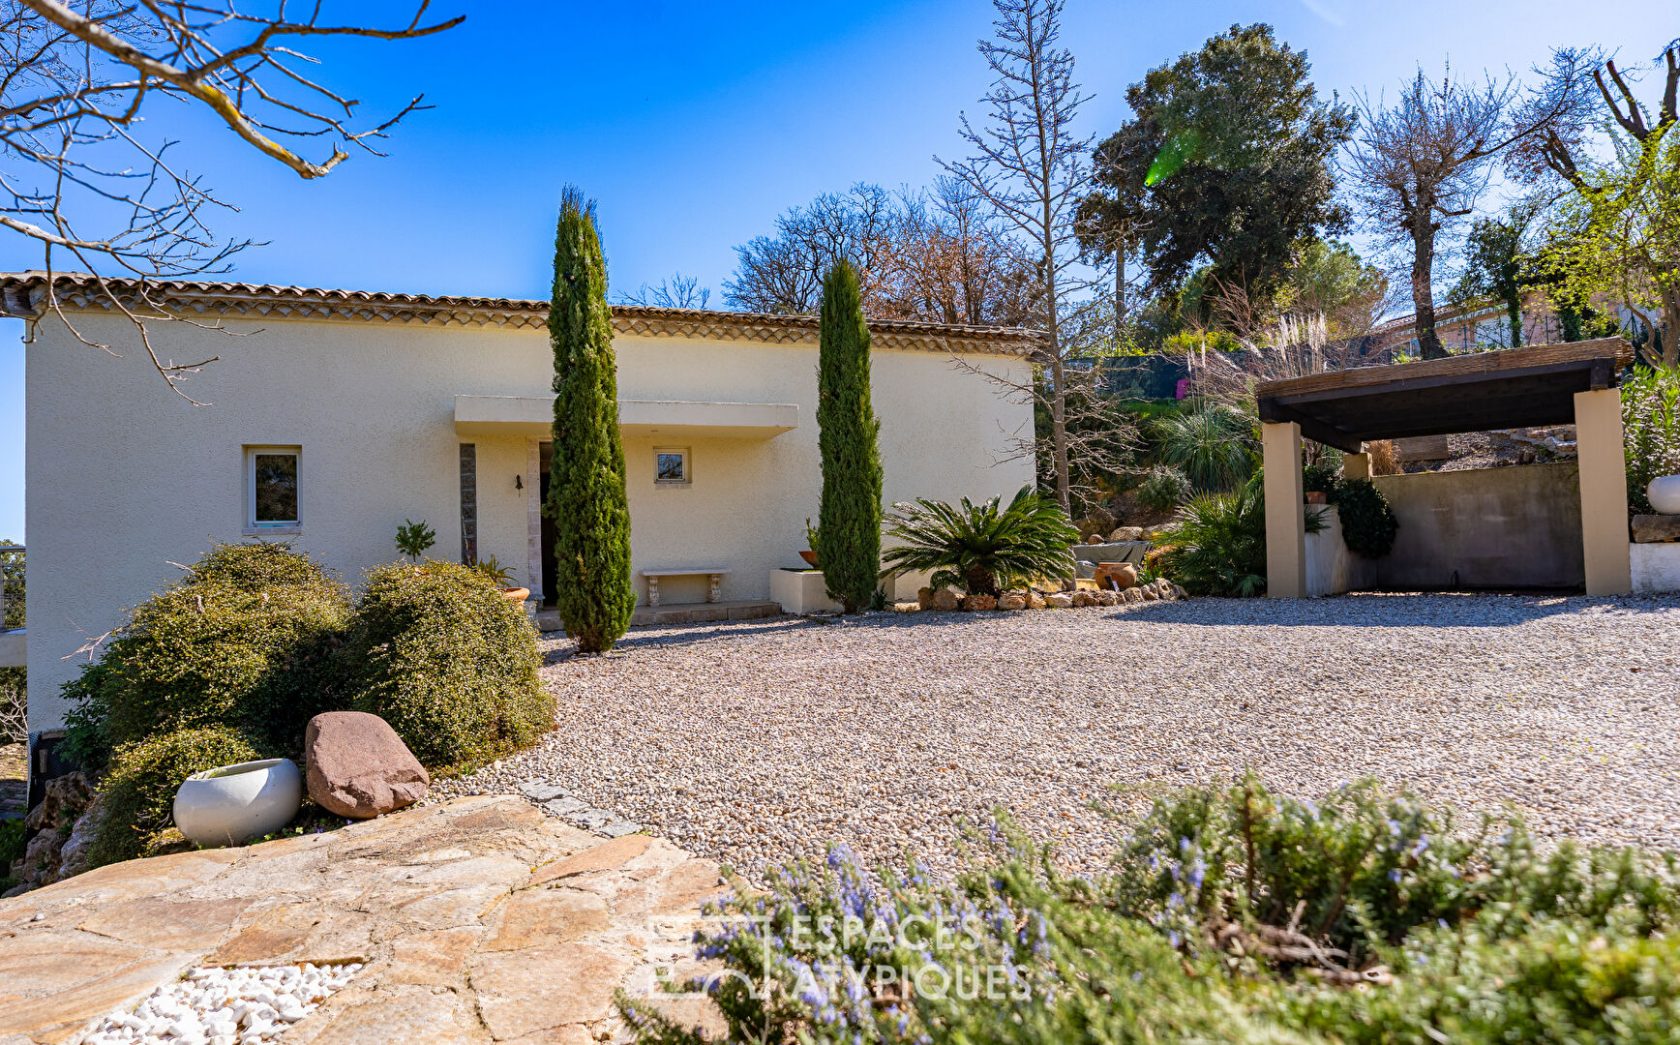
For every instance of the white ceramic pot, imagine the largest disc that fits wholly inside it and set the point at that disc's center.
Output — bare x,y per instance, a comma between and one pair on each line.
1664,494
231,805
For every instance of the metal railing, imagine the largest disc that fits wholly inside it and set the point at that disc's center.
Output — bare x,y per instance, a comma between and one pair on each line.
7,550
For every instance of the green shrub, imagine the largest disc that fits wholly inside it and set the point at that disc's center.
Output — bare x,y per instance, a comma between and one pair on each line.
1213,444
982,548
436,651
1651,431
259,566
1231,915
1321,478
137,794
243,641
1163,488
1369,525
1219,544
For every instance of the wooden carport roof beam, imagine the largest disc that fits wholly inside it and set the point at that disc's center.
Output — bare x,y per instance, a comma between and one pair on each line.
1488,390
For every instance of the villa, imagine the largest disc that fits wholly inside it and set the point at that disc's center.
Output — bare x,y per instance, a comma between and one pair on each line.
331,417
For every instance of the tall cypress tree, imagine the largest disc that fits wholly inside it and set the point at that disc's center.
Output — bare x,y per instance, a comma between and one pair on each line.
849,531
586,495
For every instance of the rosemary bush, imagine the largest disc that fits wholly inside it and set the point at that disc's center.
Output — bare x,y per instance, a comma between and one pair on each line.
1232,914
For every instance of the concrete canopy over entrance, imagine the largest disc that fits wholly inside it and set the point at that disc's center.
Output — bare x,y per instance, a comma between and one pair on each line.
1542,385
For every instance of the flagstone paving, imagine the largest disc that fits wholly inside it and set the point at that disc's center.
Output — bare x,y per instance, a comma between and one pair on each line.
479,920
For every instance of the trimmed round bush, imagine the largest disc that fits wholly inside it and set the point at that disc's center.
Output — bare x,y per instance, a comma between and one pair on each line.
259,566
445,658
1369,525
245,641
138,793
1163,489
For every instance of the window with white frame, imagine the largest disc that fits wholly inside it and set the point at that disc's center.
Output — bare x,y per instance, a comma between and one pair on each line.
670,466
271,488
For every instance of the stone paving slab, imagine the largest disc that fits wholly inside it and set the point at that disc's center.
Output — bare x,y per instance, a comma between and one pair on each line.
481,919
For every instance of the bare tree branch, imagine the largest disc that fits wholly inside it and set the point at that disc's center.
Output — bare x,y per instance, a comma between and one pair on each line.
76,84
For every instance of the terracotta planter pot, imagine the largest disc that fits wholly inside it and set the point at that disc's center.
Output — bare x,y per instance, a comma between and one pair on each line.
516,595
231,805
810,558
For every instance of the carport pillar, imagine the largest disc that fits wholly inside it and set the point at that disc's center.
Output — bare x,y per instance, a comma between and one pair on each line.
1356,466
1604,504
1286,511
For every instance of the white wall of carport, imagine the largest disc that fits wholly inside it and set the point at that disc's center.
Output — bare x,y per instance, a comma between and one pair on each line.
124,478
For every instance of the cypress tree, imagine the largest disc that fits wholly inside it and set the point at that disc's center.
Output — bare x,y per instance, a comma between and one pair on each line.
586,495
849,528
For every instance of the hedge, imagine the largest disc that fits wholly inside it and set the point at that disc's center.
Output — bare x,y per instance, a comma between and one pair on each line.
445,658
244,641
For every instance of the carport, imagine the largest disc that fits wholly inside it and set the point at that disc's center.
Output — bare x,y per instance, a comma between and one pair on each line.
1514,388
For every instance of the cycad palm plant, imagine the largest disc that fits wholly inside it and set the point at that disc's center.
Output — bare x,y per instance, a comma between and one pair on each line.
982,548
1219,544
1211,443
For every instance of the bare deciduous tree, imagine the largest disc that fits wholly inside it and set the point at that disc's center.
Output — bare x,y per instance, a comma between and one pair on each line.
784,273
83,178
679,291
937,255
1031,167
1420,166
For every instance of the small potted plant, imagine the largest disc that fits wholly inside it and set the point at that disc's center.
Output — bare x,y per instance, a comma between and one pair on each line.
810,553
414,539
500,575
1320,482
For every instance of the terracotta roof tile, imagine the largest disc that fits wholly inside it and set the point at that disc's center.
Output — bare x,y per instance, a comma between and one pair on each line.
24,294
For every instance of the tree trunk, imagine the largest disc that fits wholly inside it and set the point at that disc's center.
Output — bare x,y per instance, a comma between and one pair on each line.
1423,291
1513,312
1119,295
1671,329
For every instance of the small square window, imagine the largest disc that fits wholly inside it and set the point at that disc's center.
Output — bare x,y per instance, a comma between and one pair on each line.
670,466
271,488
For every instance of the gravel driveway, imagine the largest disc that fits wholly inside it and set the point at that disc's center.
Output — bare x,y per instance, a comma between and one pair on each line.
753,741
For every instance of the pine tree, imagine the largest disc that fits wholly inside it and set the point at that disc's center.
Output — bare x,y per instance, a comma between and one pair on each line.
849,528
586,497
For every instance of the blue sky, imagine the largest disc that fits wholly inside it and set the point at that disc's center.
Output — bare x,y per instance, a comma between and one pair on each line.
695,125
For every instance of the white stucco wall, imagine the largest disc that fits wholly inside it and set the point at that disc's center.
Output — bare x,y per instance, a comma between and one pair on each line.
124,478
1655,567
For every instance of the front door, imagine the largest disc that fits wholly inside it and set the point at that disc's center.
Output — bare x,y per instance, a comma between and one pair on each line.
550,573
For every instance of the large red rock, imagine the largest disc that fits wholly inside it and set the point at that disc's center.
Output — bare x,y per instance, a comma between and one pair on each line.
359,767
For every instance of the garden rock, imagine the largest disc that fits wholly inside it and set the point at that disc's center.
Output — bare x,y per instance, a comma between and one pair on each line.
61,824
945,599
1060,600
359,767
1118,575
980,603
908,607
924,598
1656,529
1012,602
1127,533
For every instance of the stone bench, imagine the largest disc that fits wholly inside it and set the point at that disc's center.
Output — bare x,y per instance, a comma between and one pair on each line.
713,574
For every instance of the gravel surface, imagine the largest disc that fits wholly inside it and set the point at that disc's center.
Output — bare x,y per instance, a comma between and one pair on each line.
754,741
225,1006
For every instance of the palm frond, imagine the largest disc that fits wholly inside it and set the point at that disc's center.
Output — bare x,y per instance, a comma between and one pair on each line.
984,547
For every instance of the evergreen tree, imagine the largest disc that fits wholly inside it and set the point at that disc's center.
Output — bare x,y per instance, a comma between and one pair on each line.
586,495
849,529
